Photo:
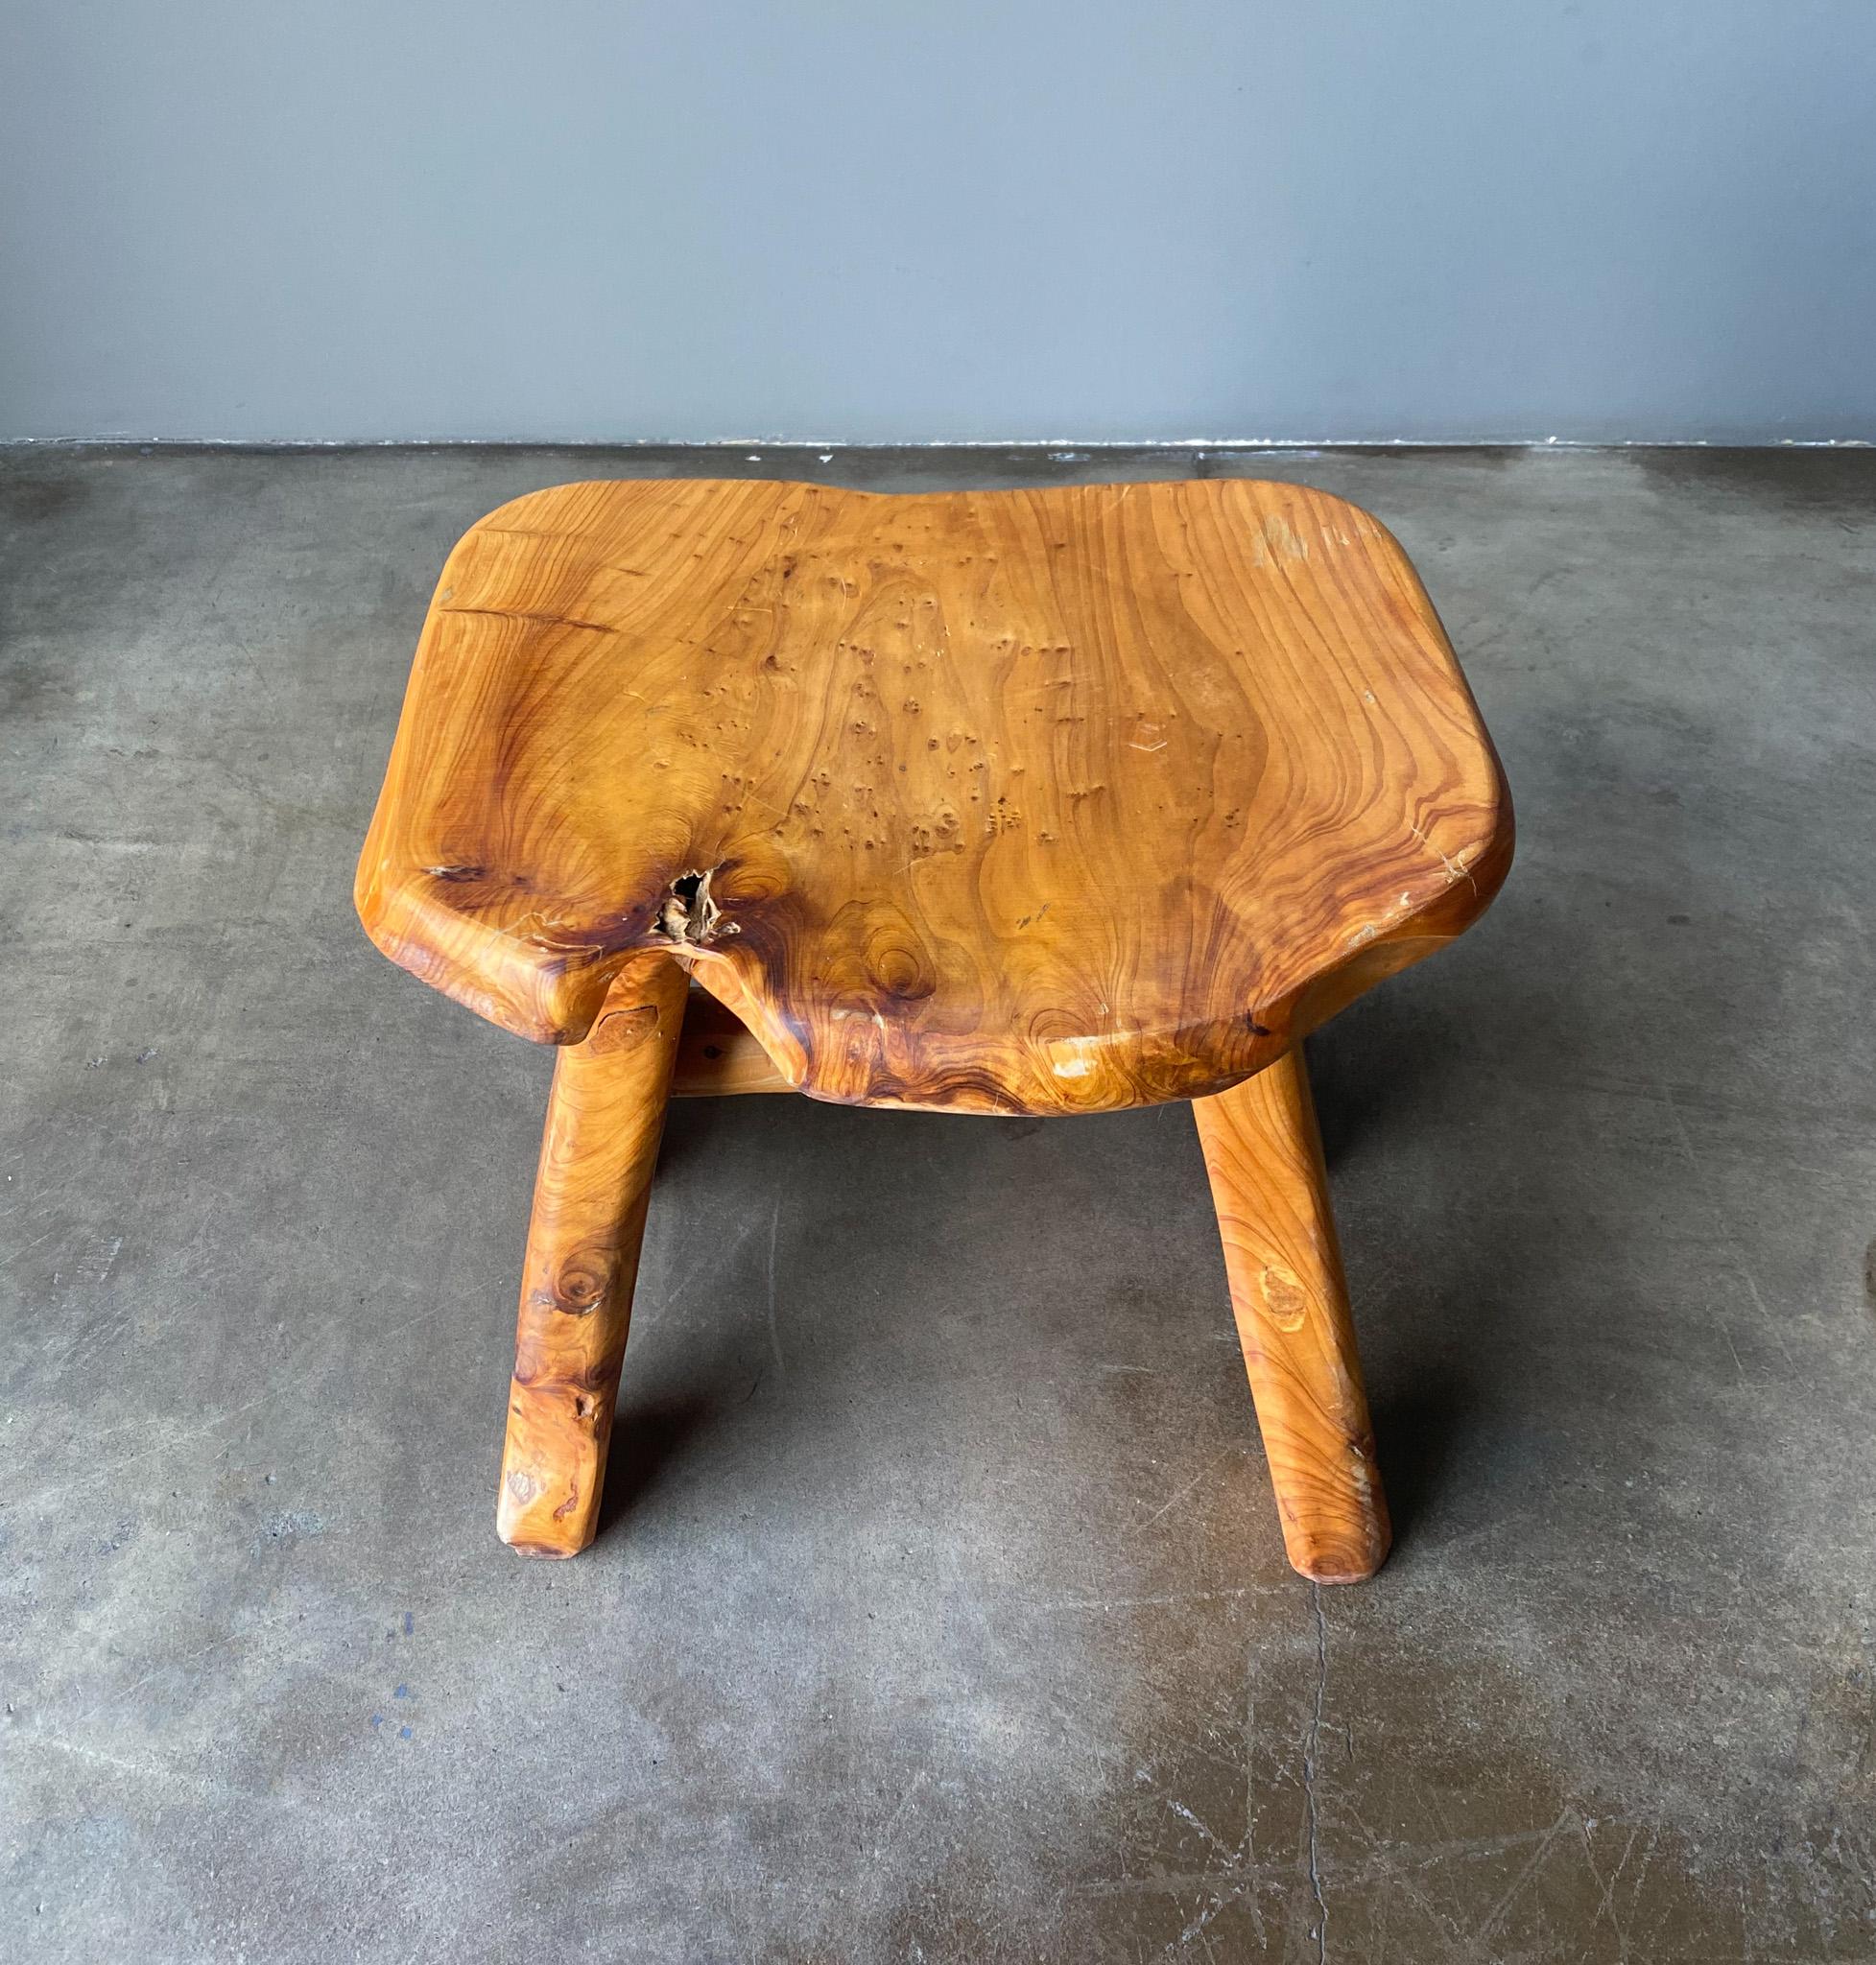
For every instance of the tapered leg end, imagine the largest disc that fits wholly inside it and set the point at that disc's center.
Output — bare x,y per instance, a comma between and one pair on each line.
1349,1553
552,1474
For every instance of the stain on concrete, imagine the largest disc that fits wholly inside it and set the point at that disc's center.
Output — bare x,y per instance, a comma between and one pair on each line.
1801,482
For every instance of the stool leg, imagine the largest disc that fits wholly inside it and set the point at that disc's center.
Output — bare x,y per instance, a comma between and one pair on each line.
1265,1158
604,1119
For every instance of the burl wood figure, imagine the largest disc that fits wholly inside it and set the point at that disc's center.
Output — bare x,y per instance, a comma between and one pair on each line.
1042,801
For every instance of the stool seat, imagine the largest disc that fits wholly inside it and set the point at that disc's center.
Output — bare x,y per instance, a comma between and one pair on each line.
1050,801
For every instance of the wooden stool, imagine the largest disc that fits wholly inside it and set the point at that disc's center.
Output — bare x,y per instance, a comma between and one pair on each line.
1042,801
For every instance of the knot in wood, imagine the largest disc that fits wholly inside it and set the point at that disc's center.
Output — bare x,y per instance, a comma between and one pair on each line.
579,1285
689,913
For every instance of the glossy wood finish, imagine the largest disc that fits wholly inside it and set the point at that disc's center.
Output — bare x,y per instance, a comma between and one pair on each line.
1051,801
1055,800
603,1121
1265,1158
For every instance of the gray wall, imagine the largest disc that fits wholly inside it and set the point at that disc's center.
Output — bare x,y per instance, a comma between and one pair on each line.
878,222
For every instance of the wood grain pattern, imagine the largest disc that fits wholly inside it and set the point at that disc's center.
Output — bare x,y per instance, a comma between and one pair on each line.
1052,800
1265,1158
718,1054
603,1122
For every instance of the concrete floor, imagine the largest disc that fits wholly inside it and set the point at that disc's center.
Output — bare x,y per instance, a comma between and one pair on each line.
942,1613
